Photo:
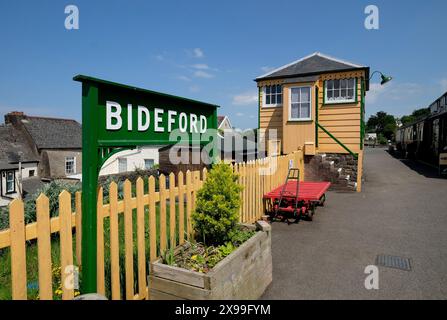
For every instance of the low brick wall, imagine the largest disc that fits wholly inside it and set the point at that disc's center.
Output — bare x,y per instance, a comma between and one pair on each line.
337,168
244,274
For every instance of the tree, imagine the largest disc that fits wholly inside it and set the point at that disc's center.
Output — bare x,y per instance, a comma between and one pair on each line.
416,115
407,119
420,113
382,123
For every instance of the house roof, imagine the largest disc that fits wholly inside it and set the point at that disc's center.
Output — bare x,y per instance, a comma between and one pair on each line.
31,186
221,119
14,148
54,133
312,64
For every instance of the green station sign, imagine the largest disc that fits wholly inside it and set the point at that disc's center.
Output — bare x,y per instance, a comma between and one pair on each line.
116,117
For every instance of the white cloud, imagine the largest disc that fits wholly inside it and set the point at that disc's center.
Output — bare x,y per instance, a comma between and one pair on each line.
239,114
159,57
267,69
376,91
243,99
443,83
183,78
194,88
393,92
252,116
198,53
203,74
399,99
200,66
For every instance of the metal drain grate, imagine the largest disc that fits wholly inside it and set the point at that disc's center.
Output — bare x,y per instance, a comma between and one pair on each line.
393,262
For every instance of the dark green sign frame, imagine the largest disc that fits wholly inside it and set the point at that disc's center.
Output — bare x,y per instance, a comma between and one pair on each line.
116,117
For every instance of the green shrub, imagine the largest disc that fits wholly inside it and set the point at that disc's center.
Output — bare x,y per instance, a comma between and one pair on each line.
238,236
52,191
382,139
217,206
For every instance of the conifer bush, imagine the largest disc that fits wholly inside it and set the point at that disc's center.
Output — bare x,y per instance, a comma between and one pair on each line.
217,206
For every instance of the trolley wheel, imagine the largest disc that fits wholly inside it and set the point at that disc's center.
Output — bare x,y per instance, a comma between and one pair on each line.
311,212
322,200
295,218
273,216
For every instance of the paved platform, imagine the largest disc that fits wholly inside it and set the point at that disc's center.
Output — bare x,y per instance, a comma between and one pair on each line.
402,211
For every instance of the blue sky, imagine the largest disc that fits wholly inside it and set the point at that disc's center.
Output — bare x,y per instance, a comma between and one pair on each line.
212,50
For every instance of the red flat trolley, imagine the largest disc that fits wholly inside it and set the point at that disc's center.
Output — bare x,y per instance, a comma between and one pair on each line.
295,199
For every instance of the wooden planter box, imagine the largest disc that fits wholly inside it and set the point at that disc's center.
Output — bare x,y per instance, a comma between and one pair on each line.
244,274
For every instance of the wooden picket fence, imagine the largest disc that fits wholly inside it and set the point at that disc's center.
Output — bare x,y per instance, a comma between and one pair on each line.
261,176
150,235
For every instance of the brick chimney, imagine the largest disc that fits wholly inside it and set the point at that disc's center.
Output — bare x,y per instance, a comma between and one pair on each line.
14,117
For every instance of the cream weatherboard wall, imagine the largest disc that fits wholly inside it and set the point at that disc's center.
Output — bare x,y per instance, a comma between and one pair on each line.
341,120
270,117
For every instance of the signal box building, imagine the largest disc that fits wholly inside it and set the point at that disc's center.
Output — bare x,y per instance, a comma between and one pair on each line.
316,104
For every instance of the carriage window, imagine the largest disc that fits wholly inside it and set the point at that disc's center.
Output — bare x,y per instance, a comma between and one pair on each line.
435,137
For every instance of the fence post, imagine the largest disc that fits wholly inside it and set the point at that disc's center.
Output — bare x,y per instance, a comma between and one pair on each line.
100,277
114,242
152,220
244,186
181,208
162,192
66,243
237,170
188,204
252,191
359,170
44,247
172,211
18,250
204,175
78,225
128,239
259,195
140,240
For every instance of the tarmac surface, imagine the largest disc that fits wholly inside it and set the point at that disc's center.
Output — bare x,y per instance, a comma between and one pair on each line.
402,211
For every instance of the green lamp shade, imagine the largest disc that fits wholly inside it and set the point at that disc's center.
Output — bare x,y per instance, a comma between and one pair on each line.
385,79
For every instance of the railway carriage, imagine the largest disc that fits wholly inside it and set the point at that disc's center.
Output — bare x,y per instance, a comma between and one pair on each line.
426,139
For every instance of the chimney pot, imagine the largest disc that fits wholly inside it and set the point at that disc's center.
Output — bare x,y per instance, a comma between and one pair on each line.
14,116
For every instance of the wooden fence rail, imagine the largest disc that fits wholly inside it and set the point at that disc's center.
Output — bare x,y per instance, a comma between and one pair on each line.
130,229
